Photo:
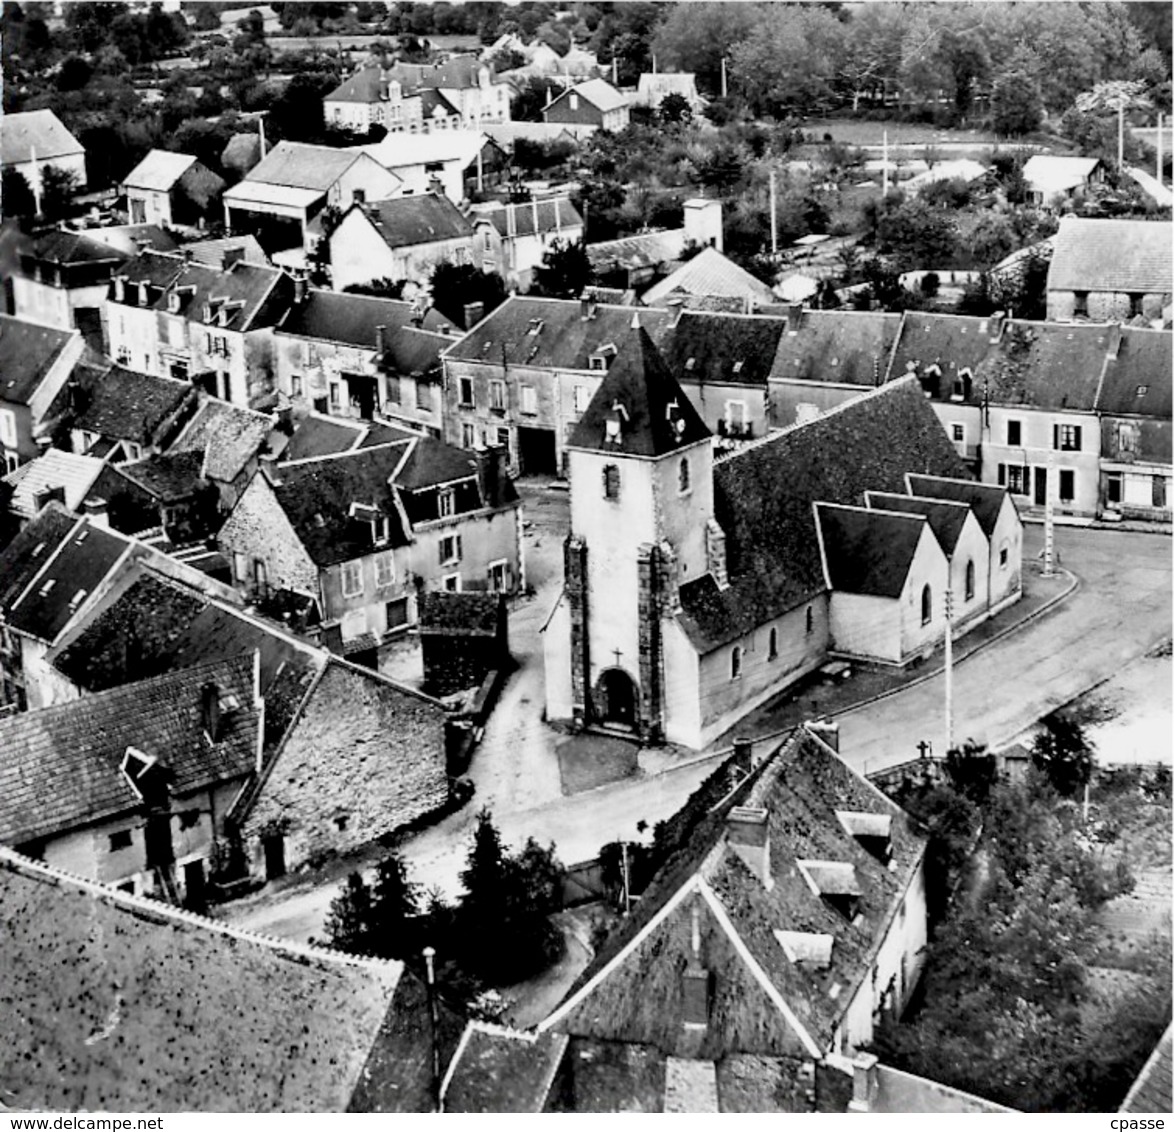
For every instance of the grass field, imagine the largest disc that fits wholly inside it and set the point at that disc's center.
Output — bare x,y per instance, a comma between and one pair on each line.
852,131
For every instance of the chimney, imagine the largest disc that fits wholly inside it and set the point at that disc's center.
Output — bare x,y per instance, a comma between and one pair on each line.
358,196
95,510
715,553
300,289
210,711
864,1083
380,339
230,257
474,313
794,318
268,464
42,498
173,302
827,731
677,306
695,996
436,185
744,754
120,288
996,324
74,395
587,306
187,254
749,837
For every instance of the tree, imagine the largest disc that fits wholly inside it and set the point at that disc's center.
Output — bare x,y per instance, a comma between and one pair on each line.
916,235
16,194
696,37
1063,754
455,286
674,109
564,272
532,97
1016,102
348,923
973,771
395,903
57,188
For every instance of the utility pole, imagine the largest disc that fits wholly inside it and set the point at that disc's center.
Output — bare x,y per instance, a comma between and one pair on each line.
949,656
774,219
1121,137
885,165
36,185
429,955
615,72
1049,520
627,881
1159,147
724,90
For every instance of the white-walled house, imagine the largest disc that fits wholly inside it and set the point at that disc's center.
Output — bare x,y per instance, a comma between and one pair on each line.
30,140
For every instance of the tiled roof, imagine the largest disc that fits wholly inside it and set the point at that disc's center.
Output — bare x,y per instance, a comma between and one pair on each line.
425,219
1046,173
763,496
850,348
868,552
1046,365
159,170
500,1070
365,85
211,252
542,216
333,316
1137,382
432,100
985,500
28,351
39,130
551,333
1152,1091
470,612
722,348
946,518
61,766
1113,255
116,1003
633,990
652,249
168,477
654,415
228,436
709,273
301,166
123,404
30,550
55,468
83,561
598,92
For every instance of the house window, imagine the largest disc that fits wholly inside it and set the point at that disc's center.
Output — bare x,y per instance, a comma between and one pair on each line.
611,482
260,574
424,396
393,390
1158,488
772,650
352,579
1014,434
810,620
335,395
926,605
735,662
8,428
597,362
1066,437
683,484
296,385
1080,303
497,395
397,613
385,569
447,503
499,576
11,461
529,400
452,583
970,580
121,839
959,433
189,818
468,436
736,418
582,398
1067,485
465,387
503,440
1113,487
1018,478
218,345
450,549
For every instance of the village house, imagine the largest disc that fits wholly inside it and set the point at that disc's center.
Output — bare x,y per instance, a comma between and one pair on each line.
55,474
172,188
131,786
365,532
372,97
457,163
707,275
361,757
161,495
717,593
512,239
653,89
397,240
36,362
33,139
168,315
1111,270
279,200
210,1017
1053,180
463,83
593,103
360,357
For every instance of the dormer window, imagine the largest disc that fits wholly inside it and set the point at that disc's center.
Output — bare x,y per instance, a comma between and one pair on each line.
811,949
447,499
535,326
76,600
134,765
173,302
835,882
738,367
144,294
873,832
47,588
611,482
598,363
380,529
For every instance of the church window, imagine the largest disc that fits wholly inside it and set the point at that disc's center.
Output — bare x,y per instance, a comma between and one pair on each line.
926,605
736,662
970,579
683,475
611,482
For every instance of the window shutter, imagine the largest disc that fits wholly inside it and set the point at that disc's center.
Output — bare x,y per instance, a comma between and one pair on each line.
458,547
1002,475
1055,436
1026,479
440,549
1076,437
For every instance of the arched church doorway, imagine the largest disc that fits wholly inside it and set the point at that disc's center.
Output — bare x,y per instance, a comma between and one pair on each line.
617,699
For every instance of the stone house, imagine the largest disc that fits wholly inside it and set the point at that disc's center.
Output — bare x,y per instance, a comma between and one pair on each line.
513,238
362,757
1111,270
171,316
454,162
37,362
593,103
131,786
366,532
401,239
168,188
34,139
462,87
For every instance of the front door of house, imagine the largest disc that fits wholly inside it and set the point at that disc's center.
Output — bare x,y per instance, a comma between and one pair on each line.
1041,487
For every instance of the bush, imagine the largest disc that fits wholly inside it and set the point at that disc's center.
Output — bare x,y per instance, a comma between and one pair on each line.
930,284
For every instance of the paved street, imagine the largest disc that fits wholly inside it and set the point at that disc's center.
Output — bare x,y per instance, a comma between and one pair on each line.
1121,609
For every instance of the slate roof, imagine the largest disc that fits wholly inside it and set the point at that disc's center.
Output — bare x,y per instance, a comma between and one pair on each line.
124,404
425,219
159,171
116,1003
553,215
722,348
28,350
565,339
951,342
302,166
82,561
32,547
656,417
598,92
455,73
66,247
399,151
763,496
946,518
632,990
868,552
211,252
333,316
53,468
1144,362
1152,1091
317,435
39,130
474,613
652,249
709,273
168,477
228,436
128,239
415,353
850,348
985,500
1047,365
496,1069
365,85
1113,255
61,767
432,462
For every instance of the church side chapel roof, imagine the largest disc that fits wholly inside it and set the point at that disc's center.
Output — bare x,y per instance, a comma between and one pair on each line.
868,552
946,517
639,409
763,498
985,500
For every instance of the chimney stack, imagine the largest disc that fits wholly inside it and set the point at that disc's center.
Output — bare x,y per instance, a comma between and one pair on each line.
695,1005
827,731
300,289
210,711
794,318
677,306
1113,347
997,323
474,313
42,498
749,837
231,257
744,754
96,511
380,339
864,1083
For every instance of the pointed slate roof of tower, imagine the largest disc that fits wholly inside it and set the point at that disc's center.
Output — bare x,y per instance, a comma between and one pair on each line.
655,417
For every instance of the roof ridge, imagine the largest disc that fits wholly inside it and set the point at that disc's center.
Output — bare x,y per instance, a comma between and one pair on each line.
323,457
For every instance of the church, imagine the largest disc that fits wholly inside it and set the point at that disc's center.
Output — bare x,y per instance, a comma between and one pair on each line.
695,588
